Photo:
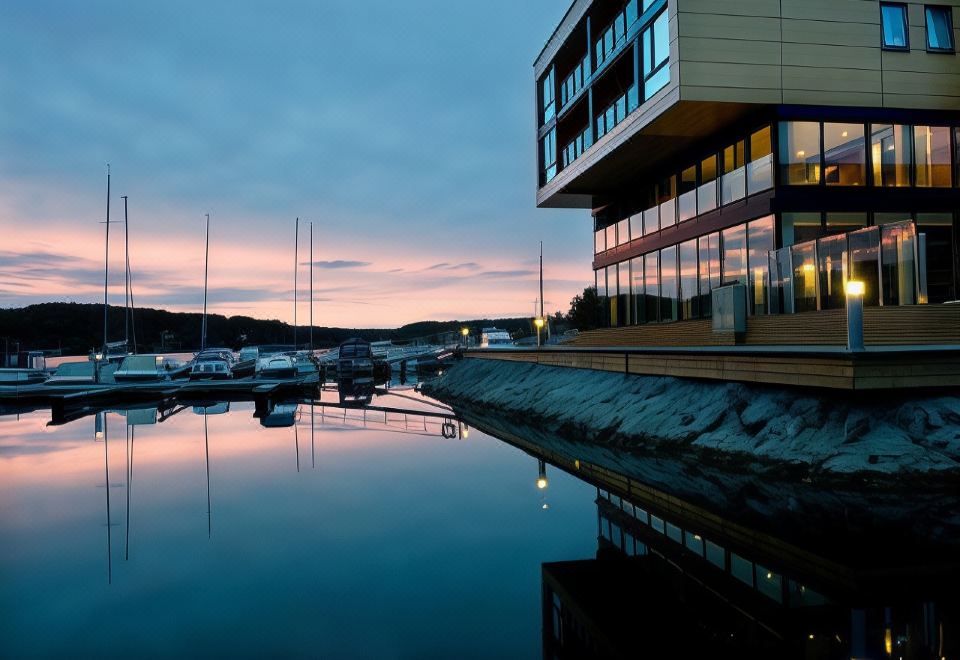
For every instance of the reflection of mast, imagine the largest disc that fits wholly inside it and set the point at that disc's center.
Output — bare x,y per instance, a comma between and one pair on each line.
296,440
106,473
130,431
542,483
313,457
206,446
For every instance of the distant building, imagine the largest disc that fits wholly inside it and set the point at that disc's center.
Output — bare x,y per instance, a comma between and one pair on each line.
785,145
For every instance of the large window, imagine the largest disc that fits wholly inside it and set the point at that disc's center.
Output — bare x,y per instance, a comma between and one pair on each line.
687,202
939,28
651,286
656,55
547,95
707,191
799,152
669,289
549,143
689,294
733,242
844,155
637,289
895,31
760,162
612,291
931,148
804,258
760,241
891,146
733,183
709,253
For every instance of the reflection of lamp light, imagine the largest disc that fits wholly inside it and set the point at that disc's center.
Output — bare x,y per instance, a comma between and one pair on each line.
542,482
844,134
855,288
808,268
801,154
98,357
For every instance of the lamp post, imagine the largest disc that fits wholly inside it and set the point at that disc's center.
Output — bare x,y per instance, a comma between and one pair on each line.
466,336
542,482
539,323
855,290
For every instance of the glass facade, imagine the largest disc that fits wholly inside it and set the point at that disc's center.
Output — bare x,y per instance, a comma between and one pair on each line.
760,241
931,148
733,182
891,148
844,155
734,255
799,152
707,191
689,280
669,285
760,163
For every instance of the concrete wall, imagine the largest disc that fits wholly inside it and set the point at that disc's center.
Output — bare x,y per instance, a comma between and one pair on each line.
823,52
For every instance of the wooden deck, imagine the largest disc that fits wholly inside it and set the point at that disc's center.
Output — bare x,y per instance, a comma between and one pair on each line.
804,350
921,325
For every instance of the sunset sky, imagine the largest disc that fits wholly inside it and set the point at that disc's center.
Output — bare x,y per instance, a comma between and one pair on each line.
403,130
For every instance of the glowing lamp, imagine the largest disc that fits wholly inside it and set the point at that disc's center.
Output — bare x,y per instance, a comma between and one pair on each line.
538,322
855,288
465,331
808,268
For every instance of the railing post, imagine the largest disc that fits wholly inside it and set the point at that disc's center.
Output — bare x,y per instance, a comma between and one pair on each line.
854,291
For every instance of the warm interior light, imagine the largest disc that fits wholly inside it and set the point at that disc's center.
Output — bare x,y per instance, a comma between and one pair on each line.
542,483
890,148
769,575
159,359
808,268
855,288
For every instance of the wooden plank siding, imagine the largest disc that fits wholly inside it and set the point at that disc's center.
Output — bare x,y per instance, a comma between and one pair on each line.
813,52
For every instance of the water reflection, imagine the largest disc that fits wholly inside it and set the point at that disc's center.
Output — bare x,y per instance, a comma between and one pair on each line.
679,573
411,536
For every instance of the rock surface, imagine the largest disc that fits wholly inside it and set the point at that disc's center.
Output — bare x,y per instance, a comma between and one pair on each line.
813,432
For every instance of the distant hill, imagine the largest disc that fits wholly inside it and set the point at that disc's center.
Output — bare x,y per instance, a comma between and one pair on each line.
75,328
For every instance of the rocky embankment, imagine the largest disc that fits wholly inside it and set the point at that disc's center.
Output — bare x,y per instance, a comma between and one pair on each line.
805,432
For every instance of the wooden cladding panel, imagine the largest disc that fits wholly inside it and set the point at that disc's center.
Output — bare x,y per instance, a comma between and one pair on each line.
810,52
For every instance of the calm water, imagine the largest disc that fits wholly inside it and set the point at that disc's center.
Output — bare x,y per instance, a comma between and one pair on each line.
384,541
367,533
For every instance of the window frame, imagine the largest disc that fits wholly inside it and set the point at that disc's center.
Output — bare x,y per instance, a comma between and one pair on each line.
926,26
906,28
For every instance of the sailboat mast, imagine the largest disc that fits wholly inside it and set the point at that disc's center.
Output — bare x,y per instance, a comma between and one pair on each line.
106,264
206,270
126,275
296,245
541,279
311,286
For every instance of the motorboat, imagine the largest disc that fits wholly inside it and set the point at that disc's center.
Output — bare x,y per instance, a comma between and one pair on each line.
246,363
148,368
355,371
279,365
210,368
18,377
77,373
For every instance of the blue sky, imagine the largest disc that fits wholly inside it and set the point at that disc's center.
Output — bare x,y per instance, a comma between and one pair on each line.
404,131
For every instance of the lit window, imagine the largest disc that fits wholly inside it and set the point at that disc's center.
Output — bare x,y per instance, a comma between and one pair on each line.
939,29
895,32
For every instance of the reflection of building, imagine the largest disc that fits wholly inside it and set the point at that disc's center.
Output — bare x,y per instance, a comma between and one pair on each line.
665,586
785,146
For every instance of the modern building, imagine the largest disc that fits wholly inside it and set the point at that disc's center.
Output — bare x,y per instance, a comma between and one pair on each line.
786,146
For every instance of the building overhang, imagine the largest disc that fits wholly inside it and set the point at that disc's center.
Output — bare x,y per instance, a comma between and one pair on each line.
641,148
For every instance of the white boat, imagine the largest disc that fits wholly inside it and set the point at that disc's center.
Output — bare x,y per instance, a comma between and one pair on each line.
495,338
280,365
147,368
210,368
74,373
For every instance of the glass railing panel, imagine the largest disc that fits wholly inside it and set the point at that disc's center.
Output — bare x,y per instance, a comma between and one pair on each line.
898,244
668,213
651,220
733,186
804,264
623,231
760,174
687,205
707,197
832,271
863,247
